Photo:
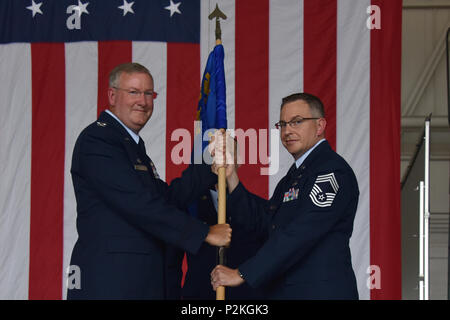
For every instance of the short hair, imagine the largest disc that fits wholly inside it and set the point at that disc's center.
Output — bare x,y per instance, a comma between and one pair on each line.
314,103
130,67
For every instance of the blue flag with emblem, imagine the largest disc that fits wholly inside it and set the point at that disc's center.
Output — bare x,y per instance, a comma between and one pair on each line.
212,107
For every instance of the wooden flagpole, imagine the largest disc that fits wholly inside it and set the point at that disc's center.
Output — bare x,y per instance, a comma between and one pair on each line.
222,183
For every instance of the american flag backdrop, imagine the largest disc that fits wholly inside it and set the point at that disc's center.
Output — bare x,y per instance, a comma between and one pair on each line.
55,56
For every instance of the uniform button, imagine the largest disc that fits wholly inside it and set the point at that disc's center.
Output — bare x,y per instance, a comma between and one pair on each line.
273,227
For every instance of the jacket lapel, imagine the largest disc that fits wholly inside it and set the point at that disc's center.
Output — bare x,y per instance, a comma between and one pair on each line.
138,157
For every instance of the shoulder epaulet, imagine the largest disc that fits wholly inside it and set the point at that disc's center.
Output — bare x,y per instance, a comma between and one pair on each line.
101,124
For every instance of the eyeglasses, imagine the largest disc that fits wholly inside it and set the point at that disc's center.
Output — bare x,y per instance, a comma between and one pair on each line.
294,123
136,93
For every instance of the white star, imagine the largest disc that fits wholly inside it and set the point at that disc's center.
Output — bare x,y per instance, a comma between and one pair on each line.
36,8
81,8
173,8
126,7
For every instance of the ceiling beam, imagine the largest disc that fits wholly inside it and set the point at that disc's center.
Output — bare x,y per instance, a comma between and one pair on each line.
419,122
428,4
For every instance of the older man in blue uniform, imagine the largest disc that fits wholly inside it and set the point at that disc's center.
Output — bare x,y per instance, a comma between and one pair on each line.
308,221
126,215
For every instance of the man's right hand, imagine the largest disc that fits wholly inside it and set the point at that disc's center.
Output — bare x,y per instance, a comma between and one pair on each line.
223,149
219,235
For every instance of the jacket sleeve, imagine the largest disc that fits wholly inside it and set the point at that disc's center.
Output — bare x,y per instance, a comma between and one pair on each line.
248,210
104,164
289,244
193,183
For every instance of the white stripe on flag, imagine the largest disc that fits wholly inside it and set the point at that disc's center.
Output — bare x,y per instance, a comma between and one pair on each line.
285,68
153,55
81,110
353,121
15,169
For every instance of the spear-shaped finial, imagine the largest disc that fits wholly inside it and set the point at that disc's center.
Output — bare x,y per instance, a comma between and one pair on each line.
217,14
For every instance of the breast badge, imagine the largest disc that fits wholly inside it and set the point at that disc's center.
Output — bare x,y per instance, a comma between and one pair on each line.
290,195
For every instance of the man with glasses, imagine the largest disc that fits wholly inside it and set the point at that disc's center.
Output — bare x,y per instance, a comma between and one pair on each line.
126,215
308,221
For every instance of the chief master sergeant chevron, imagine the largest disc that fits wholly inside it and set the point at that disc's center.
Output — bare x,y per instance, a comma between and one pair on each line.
125,214
308,221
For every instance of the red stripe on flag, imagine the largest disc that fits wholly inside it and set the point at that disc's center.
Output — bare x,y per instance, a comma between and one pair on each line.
385,218
47,170
183,89
252,83
110,54
320,55
184,269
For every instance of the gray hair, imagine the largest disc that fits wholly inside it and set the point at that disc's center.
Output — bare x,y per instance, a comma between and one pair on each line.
130,67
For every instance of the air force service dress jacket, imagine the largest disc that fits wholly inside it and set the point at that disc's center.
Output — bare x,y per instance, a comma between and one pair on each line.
126,215
308,223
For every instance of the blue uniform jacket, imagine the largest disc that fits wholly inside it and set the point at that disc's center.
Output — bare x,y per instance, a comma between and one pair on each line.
126,216
308,222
